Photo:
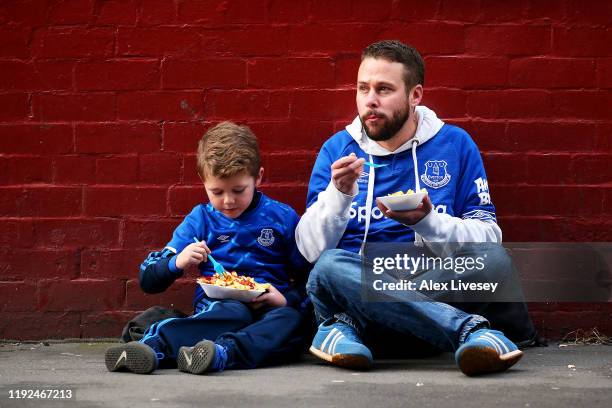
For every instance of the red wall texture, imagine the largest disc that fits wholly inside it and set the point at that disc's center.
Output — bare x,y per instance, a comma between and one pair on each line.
102,102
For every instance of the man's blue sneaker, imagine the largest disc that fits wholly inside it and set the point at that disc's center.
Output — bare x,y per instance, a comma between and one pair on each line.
486,351
339,344
134,356
205,356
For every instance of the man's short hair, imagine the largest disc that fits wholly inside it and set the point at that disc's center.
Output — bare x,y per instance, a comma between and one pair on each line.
228,149
396,51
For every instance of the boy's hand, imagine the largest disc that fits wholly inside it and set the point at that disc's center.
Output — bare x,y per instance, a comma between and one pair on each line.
271,298
193,254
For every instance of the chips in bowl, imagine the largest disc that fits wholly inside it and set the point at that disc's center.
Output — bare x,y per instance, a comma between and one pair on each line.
403,201
230,285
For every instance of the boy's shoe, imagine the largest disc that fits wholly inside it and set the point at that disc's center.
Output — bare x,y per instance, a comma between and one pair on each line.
486,351
340,345
134,356
204,356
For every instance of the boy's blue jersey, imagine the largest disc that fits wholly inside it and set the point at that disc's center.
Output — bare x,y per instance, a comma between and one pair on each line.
450,169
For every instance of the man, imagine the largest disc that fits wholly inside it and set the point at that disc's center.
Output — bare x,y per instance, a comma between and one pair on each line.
404,146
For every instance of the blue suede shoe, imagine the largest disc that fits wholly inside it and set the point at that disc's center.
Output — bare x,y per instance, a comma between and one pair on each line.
487,351
206,356
340,345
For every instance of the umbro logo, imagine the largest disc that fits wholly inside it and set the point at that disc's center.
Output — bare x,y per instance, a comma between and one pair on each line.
223,238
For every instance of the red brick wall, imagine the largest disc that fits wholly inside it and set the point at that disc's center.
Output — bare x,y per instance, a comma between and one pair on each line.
101,104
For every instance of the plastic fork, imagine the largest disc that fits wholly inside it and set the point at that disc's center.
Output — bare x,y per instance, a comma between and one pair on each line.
374,165
216,265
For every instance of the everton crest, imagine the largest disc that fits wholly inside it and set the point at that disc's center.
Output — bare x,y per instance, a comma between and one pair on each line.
266,238
435,175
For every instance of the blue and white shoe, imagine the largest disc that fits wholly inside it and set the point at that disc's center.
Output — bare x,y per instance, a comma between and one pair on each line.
205,356
134,357
487,351
340,345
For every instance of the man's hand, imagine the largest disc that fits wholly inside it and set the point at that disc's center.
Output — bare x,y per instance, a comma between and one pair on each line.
271,298
409,217
345,171
193,254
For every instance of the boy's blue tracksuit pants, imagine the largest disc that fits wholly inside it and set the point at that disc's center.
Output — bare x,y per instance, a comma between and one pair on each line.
252,337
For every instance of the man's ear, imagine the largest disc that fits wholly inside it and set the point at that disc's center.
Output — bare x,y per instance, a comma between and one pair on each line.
416,94
259,177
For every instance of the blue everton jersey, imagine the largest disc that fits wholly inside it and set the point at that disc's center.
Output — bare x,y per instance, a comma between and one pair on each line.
259,243
450,169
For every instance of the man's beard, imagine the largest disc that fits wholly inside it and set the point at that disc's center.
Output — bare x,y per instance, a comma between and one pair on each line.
389,128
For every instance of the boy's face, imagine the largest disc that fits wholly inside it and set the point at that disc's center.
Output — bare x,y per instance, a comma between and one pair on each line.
232,195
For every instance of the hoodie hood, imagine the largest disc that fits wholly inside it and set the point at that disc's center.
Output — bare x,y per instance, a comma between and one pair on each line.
427,127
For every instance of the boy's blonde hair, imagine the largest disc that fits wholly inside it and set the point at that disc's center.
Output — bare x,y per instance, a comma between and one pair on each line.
228,149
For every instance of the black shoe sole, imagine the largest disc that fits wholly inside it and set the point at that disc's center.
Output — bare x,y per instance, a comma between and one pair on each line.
197,359
134,357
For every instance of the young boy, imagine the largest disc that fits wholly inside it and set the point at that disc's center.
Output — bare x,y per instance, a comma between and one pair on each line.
247,232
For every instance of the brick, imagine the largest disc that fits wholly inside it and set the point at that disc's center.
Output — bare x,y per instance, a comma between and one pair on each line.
16,233
239,105
30,13
116,12
478,72
14,107
52,75
604,73
182,136
182,199
329,38
545,11
363,10
14,42
592,229
156,12
37,325
74,42
117,170
70,12
74,107
150,234
289,167
111,263
504,168
488,135
291,72
346,68
190,170
553,136
334,11
82,295
552,73
428,38
258,41
409,11
280,11
525,228
507,40
290,194
118,75
104,324
121,201
204,73
324,104
160,168
164,105
118,137
582,41
549,169
594,12
493,11
44,201
76,233
17,297
74,169
36,139
447,103
582,104
591,168
34,264
293,134
469,11
215,12
158,41
510,104
25,170
178,296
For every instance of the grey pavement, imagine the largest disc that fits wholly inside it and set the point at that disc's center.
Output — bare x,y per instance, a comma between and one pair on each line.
573,376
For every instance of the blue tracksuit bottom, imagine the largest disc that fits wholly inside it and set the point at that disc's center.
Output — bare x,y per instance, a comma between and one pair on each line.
252,337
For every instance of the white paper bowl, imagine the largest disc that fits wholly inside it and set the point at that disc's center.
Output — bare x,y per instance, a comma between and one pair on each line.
222,292
402,203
